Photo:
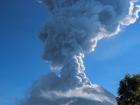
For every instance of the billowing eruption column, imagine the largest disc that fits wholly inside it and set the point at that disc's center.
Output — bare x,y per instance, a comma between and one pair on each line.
73,29
75,26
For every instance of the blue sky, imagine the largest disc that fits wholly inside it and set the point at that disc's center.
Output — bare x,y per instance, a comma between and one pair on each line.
20,54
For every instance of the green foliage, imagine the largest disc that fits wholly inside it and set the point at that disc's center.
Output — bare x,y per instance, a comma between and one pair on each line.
129,90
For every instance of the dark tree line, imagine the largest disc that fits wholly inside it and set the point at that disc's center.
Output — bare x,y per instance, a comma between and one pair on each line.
129,90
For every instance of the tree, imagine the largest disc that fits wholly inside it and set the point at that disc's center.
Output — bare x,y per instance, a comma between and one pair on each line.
129,90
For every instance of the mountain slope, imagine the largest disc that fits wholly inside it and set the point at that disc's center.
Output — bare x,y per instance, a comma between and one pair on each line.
50,90
87,95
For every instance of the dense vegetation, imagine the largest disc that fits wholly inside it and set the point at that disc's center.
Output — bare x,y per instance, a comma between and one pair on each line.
129,90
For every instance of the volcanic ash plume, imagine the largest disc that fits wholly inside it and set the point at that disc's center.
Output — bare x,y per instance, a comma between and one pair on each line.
73,28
